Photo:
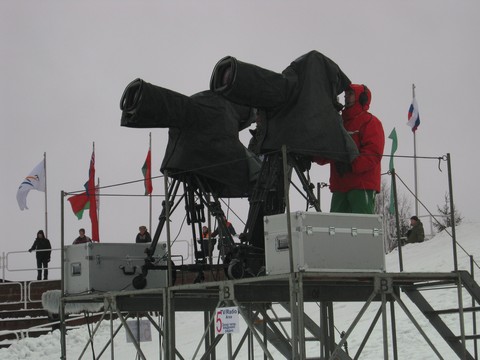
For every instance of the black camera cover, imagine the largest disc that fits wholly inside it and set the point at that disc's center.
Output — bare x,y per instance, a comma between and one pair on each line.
202,138
300,103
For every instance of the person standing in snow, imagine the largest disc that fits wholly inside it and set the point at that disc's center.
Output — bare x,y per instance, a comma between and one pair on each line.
42,247
355,185
416,233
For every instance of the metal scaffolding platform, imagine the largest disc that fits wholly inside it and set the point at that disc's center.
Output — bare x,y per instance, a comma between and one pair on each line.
255,297
258,300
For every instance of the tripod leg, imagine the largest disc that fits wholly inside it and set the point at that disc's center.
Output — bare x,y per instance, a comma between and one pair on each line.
267,199
172,192
140,281
307,186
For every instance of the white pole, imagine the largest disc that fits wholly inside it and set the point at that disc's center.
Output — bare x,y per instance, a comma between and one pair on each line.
46,211
415,161
97,200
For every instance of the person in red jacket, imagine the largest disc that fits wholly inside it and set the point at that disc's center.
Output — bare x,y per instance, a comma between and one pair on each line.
354,186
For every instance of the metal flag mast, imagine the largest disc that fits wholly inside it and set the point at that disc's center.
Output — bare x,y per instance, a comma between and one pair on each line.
150,195
97,201
93,211
415,160
46,208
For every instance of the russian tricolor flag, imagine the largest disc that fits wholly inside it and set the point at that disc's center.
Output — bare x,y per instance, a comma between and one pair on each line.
413,116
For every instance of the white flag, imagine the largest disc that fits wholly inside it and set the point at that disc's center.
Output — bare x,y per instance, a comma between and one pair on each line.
34,180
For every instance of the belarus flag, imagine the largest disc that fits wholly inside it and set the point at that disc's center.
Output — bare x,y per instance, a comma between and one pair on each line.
80,203
413,116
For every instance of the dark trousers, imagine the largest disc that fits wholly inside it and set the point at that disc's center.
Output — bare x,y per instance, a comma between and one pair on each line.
42,263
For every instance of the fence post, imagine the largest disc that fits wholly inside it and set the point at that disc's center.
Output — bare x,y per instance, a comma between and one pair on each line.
3,267
397,220
452,213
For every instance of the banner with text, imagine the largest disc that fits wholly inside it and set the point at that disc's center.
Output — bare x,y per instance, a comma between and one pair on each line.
226,320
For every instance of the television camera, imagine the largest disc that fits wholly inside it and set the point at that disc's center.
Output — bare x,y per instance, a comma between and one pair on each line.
297,108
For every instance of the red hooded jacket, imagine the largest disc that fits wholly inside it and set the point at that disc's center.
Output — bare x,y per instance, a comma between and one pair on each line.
367,132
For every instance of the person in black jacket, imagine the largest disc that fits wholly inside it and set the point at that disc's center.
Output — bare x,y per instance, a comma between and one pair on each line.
42,247
82,238
143,236
222,237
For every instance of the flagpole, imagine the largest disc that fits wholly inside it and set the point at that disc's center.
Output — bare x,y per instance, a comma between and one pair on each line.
150,195
46,209
91,190
97,200
415,161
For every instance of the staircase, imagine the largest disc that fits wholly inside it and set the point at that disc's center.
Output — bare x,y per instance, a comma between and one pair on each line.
21,312
276,329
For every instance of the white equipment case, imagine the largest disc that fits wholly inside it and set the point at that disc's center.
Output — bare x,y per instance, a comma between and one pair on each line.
102,267
328,242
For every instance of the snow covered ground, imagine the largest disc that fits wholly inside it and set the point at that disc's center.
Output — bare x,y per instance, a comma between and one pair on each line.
434,255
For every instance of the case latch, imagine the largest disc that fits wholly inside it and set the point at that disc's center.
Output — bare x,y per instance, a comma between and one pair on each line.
281,242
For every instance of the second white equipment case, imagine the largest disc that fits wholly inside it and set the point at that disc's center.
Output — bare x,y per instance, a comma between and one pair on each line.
325,242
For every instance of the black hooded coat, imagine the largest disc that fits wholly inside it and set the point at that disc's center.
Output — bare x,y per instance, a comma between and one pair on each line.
43,247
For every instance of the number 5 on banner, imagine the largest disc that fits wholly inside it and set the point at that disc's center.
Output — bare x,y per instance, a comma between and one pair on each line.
218,322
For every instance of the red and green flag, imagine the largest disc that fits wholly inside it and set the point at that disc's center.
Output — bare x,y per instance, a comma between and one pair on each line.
88,200
79,204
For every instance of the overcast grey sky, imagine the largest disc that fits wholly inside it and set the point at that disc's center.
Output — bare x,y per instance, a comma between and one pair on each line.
65,64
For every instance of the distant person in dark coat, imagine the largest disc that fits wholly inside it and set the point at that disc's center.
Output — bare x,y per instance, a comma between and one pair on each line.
143,236
82,238
207,242
205,232
42,247
222,238
416,233
230,229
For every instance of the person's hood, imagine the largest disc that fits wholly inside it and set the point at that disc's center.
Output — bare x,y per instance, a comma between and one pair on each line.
357,108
